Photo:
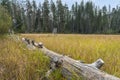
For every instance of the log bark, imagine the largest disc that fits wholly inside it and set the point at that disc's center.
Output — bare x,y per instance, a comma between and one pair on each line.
75,69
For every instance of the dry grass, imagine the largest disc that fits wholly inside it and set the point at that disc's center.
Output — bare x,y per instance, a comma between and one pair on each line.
19,63
85,47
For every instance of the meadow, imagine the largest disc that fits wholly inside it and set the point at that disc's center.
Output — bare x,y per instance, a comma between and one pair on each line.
87,48
19,63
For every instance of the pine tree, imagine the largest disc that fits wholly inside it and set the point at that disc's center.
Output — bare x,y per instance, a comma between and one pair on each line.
60,16
28,17
54,15
33,16
67,18
104,26
39,19
45,15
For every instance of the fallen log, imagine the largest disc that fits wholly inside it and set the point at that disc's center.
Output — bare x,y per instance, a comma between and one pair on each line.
74,69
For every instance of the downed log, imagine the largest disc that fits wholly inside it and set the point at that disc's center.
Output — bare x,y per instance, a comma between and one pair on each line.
88,71
74,68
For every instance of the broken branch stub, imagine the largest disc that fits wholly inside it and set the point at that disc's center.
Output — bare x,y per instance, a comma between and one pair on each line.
40,45
33,43
98,64
27,41
30,43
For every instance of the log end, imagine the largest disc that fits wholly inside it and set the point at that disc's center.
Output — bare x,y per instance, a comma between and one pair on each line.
40,45
23,39
98,64
27,41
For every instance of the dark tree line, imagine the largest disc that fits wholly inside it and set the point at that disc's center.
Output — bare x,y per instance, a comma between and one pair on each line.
82,18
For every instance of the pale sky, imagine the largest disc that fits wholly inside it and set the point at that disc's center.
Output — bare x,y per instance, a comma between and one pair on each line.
100,3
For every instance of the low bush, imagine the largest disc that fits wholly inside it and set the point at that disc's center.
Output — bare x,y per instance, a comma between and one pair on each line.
5,20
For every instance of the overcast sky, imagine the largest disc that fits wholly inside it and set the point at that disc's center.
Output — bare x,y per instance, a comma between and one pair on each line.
100,3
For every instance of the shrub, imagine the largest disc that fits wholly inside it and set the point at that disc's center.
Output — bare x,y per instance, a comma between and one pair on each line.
5,20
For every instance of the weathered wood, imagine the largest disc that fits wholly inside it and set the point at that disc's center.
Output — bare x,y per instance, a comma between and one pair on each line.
80,69
75,69
30,43
97,64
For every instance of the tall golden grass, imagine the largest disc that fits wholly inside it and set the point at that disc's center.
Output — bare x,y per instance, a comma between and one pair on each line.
85,47
19,63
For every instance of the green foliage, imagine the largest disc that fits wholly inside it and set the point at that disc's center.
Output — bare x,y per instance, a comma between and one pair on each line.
83,17
46,26
61,17
5,20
